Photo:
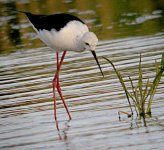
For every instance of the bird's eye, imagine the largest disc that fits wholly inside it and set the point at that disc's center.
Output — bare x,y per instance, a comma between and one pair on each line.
87,43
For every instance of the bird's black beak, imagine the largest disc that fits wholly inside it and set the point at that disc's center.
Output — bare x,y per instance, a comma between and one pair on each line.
94,55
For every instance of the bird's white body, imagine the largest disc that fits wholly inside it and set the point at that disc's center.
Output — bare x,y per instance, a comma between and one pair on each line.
68,38
63,32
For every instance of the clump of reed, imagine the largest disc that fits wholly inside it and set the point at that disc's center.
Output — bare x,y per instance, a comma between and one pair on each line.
140,96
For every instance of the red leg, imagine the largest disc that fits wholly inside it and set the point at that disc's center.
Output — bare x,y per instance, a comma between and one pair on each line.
56,84
61,96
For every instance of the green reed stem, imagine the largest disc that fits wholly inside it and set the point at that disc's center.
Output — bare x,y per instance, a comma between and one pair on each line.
122,83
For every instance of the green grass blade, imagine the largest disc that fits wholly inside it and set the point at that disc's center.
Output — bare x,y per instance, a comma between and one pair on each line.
146,91
157,67
131,84
153,89
140,79
137,99
122,83
155,84
134,102
162,62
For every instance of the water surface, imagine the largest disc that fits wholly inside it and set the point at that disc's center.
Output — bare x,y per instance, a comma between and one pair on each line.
27,68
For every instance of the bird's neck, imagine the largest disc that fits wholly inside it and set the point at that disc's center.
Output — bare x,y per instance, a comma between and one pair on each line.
79,44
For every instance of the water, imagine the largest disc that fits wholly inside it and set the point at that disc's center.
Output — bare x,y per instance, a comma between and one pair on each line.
27,68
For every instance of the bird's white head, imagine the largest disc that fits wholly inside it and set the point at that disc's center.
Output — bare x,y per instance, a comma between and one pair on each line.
89,41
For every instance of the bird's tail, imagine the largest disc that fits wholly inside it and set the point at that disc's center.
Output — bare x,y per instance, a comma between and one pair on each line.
18,11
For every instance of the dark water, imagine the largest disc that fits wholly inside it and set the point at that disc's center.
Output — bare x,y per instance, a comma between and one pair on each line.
125,28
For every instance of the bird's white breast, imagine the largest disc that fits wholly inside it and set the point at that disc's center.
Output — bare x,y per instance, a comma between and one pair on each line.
68,38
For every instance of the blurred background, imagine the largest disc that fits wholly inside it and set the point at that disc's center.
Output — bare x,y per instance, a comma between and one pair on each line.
109,19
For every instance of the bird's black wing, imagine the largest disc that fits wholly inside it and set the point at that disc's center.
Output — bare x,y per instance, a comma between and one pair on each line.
48,22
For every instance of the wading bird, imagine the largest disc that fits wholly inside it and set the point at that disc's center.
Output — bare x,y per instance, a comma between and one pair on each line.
63,32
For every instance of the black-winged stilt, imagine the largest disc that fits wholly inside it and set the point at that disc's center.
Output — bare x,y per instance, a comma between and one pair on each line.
63,32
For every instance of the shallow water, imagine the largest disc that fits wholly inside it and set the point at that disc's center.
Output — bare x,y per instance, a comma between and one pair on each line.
26,103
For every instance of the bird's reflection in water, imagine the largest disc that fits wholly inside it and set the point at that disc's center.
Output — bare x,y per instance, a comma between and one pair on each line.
62,132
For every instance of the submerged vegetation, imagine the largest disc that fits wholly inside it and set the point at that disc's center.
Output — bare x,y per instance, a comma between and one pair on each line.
140,96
